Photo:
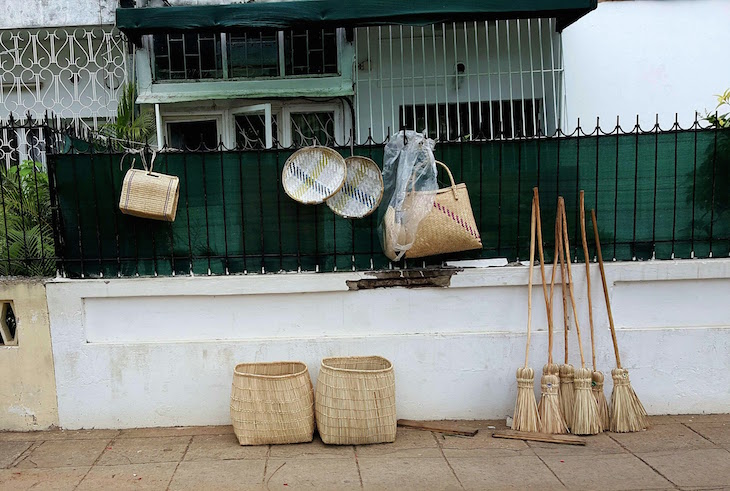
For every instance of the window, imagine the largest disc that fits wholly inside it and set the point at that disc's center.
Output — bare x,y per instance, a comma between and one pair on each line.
312,52
253,55
251,131
195,56
188,56
193,135
313,128
478,120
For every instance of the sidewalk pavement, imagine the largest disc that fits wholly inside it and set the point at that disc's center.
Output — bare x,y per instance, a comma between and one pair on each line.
676,452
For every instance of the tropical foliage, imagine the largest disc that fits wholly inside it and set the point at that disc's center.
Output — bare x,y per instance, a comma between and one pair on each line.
26,233
131,124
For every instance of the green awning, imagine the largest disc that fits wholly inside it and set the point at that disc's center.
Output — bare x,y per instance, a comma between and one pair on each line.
136,22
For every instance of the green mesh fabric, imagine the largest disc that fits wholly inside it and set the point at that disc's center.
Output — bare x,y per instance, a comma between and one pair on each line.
656,195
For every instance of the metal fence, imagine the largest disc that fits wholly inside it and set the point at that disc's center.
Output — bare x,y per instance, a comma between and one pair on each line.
658,194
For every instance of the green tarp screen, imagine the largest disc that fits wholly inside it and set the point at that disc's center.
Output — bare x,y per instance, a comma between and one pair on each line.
662,195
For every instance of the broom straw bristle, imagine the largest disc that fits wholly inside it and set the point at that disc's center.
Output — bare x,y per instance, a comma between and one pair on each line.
526,417
627,412
600,397
551,419
566,392
585,409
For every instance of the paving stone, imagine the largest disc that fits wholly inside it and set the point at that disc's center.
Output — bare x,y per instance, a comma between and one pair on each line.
504,473
703,418
406,473
313,450
9,451
600,444
663,419
144,450
335,474
607,472
175,431
60,479
36,436
483,444
63,453
717,432
662,437
222,447
408,443
131,476
692,468
219,475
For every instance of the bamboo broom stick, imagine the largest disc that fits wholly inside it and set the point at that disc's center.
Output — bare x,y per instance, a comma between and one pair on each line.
627,414
525,416
566,390
585,409
551,419
597,376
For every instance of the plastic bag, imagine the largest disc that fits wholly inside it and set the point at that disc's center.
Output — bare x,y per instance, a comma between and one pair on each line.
410,185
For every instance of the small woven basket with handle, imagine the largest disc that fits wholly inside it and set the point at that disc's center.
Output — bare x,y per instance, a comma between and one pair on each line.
272,403
355,400
149,194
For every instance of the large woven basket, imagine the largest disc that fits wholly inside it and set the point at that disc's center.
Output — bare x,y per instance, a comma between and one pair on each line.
272,403
355,400
149,195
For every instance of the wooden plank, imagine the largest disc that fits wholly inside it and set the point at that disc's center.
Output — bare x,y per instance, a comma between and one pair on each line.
540,437
439,426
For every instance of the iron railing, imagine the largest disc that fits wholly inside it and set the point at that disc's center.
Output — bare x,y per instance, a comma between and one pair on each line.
658,194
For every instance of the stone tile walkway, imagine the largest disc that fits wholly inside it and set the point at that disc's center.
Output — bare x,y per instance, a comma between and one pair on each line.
677,452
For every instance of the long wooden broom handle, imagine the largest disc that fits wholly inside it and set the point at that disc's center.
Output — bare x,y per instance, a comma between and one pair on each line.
570,286
529,282
559,247
605,289
536,197
588,273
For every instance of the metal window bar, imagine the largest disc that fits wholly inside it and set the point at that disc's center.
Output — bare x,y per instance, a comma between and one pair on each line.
464,69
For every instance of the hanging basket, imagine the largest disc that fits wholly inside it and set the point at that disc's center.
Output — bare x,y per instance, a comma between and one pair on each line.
362,191
355,401
149,195
313,174
272,403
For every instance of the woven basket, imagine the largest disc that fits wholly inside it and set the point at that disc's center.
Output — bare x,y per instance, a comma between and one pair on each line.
355,401
362,191
272,403
149,195
313,174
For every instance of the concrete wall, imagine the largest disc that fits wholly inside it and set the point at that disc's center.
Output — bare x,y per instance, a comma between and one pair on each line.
57,13
27,384
160,351
646,58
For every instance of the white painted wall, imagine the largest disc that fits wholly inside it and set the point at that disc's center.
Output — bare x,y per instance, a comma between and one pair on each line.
160,351
23,14
646,57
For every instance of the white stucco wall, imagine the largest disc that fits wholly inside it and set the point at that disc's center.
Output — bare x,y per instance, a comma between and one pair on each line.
160,351
646,58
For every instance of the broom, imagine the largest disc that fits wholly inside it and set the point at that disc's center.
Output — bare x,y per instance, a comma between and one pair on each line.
597,376
627,413
585,410
566,390
525,417
548,409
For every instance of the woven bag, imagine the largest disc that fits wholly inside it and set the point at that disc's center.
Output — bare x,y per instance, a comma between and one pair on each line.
355,400
449,227
149,194
272,403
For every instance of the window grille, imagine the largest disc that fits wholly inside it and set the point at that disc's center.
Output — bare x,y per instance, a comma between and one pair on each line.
494,79
75,73
313,129
195,56
251,131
